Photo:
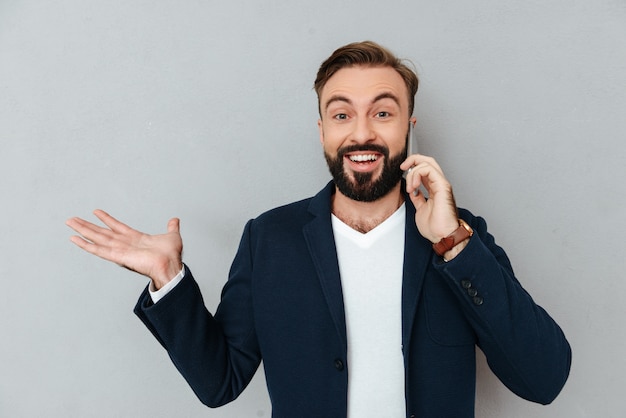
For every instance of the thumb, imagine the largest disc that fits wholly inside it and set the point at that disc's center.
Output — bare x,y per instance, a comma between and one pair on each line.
173,225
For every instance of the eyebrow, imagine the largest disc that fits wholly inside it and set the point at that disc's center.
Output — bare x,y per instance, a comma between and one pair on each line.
382,96
387,95
336,98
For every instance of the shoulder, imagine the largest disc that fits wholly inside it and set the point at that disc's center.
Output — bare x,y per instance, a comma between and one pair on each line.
298,212
289,213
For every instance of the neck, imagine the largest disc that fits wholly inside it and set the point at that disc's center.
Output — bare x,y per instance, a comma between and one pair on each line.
365,216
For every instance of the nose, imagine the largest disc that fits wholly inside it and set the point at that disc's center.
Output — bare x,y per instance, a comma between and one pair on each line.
363,132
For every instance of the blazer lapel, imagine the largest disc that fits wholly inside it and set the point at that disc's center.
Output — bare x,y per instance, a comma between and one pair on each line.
321,242
417,256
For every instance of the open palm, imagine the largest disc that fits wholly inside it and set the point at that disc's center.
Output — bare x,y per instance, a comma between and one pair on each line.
155,256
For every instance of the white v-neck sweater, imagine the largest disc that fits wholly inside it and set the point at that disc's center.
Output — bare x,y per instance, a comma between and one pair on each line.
371,278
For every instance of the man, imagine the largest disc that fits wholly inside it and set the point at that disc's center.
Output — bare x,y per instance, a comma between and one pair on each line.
365,300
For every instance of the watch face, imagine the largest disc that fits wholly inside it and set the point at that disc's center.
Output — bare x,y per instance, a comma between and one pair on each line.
466,226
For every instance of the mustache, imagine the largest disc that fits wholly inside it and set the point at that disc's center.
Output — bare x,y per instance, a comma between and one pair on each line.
363,148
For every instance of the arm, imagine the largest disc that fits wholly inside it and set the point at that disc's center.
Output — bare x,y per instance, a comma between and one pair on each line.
524,347
217,355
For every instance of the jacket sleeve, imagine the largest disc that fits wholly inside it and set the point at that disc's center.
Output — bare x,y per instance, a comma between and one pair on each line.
217,355
523,345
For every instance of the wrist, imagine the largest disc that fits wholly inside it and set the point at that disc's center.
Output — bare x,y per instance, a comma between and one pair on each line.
450,246
454,251
169,271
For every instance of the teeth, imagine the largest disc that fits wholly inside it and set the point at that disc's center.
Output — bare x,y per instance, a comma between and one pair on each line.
363,157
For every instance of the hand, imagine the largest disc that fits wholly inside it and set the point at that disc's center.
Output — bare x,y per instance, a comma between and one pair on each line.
435,217
157,256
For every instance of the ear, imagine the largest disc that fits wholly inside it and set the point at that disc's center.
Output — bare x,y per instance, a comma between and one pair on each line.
413,120
321,129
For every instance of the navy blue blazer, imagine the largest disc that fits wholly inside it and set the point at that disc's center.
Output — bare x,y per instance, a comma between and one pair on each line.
283,305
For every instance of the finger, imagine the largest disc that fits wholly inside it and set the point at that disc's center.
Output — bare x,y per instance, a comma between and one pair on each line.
431,177
95,249
408,163
79,241
78,223
88,230
173,225
111,222
86,245
417,198
413,182
419,159
422,174
73,223
410,180
433,163
85,228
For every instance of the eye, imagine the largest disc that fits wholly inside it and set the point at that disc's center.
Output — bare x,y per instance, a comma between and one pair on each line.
383,114
341,116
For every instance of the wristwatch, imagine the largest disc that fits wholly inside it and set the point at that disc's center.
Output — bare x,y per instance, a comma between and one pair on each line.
463,232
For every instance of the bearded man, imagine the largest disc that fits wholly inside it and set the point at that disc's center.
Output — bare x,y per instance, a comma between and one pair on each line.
366,300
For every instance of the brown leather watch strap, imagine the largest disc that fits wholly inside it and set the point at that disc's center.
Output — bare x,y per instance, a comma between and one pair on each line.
463,232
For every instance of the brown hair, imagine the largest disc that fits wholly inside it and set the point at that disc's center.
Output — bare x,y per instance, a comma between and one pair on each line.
370,54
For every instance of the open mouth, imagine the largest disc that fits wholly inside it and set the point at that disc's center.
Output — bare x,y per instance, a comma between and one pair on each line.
363,158
364,161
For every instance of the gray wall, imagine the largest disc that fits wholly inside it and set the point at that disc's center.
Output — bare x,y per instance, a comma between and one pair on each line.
204,110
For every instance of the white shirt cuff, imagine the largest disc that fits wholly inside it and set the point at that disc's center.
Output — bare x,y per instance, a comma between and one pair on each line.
159,294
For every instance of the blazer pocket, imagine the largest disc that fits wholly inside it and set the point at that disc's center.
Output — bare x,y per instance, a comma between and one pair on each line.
445,320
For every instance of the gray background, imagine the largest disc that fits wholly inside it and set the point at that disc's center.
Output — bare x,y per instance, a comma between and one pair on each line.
204,110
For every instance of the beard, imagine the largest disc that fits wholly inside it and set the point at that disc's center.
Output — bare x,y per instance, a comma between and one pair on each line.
363,187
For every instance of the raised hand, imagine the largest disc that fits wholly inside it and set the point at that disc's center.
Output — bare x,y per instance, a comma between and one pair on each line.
435,217
158,257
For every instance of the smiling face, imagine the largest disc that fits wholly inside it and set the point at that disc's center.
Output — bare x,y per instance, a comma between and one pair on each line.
363,129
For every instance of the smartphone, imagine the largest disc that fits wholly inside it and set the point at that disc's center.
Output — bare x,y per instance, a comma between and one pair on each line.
411,146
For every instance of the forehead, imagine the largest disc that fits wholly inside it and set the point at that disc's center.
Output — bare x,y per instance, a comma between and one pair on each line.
363,83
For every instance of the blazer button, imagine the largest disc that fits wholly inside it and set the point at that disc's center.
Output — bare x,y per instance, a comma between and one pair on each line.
339,365
478,301
472,292
466,284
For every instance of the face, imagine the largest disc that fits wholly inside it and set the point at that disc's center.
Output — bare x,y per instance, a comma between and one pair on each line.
363,129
